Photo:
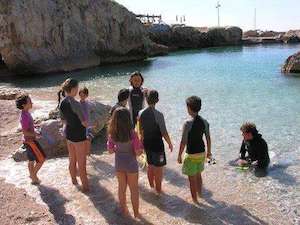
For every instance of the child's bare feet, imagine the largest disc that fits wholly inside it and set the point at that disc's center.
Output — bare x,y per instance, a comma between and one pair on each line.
137,215
195,201
200,194
85,189
74,181
125,211
35,180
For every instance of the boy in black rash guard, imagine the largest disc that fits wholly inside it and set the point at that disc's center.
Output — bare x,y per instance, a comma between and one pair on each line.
257,150
123,96
153,130
137,94
192,138
72,115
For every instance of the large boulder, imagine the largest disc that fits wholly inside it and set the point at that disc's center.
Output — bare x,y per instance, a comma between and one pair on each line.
52,140
292,64
48,36
189,37
193,37
52,137
292,36
221,36
160,33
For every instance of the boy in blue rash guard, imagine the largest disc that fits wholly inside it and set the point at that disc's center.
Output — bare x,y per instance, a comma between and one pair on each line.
137,93
153,131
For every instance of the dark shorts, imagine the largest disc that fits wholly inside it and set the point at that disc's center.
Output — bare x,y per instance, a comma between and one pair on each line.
34,151
157,159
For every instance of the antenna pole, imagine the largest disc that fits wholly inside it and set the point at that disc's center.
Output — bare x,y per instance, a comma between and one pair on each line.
218,8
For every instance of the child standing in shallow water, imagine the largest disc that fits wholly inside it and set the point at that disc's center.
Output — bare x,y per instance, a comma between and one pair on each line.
34,151
124,142
136,100
72,115
192,139
153,130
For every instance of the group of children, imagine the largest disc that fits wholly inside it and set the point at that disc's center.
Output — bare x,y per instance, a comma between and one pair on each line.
132,131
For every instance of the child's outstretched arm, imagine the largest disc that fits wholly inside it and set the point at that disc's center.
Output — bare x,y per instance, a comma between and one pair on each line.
208,143
163,129
181,149
168,140
183,142
29,133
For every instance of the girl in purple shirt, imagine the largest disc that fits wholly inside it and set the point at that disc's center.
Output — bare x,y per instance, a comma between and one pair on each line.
34,151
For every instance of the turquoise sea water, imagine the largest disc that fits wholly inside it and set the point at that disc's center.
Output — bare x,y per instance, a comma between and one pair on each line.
236,84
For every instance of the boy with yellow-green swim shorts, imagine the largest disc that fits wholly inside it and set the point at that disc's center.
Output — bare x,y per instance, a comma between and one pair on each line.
193,134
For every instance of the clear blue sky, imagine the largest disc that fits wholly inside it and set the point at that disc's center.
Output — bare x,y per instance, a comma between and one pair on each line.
279,15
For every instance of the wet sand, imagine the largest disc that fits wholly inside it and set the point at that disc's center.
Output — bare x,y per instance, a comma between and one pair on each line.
226,200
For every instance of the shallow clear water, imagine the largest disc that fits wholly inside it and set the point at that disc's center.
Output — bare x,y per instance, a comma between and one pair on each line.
236,84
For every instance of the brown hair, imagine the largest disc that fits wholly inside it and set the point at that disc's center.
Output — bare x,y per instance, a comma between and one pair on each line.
66,87
194,103
120,125
249,128
152,97
136,73
84,90
22,100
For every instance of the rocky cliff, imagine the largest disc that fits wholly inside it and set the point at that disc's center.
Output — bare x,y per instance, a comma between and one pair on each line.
62,35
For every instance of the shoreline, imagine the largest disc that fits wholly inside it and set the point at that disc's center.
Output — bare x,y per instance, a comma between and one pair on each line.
8,76
235,204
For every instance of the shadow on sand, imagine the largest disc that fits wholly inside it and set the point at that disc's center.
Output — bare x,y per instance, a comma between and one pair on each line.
56,203
214,213
107,206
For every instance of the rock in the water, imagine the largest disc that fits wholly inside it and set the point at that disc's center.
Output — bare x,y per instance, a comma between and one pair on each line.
292,36
49,36
52,138
189,37
160,33
9,94
193,37
220,36
292,64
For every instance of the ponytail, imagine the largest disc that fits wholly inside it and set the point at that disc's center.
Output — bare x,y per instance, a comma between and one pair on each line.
60,95
66,87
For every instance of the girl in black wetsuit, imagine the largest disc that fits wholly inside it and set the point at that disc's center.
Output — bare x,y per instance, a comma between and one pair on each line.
136,101
75,131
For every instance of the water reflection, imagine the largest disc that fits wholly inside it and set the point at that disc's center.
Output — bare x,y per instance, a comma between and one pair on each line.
55,79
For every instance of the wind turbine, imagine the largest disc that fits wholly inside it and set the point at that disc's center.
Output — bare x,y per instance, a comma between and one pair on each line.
218,8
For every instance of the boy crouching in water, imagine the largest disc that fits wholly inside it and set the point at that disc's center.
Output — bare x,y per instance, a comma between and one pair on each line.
35,153
192,139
